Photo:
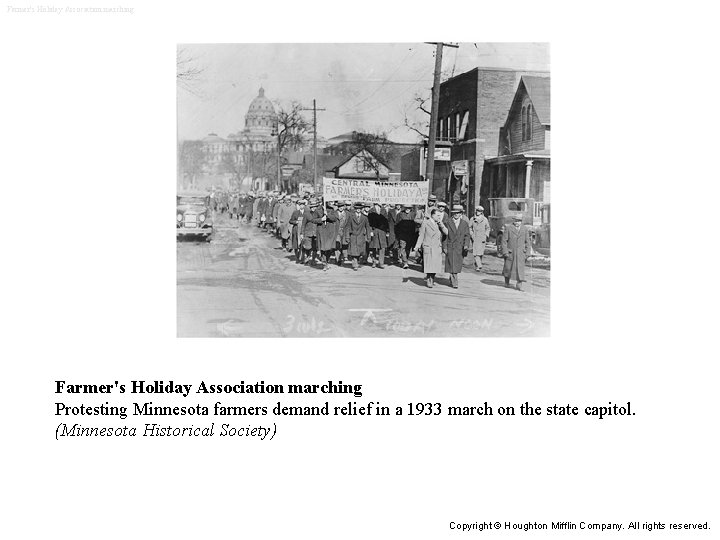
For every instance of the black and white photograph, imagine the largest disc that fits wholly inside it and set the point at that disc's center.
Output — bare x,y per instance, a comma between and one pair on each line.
378,172
363,190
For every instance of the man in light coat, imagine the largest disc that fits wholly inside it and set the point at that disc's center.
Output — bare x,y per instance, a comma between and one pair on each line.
480,232
516,248
457,244
430,239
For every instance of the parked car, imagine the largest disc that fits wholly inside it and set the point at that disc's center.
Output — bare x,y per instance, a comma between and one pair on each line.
194,216
504,209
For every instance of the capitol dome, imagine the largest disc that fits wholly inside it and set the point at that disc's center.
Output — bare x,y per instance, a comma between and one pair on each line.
261,118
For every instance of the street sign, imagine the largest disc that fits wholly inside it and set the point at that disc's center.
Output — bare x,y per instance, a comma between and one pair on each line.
441,154
306,188
460,168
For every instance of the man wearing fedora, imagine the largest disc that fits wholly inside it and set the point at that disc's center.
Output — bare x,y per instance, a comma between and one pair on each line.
516,248
430,238
343,213
296,224
480,232
284,213
457,244
405,233
312,217
380,229
327,234
442,208
357,233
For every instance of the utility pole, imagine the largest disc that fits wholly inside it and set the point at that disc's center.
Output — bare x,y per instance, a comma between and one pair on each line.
430,163
314,110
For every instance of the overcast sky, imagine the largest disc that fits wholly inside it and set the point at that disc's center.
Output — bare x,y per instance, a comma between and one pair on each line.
362,86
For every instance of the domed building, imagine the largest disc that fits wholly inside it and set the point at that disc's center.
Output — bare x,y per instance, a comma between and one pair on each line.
260,126
257,142
245,159
261,118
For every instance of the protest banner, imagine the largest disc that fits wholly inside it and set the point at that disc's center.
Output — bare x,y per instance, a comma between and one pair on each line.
375,191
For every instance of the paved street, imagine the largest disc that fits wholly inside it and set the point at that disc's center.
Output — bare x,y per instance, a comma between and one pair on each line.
242,284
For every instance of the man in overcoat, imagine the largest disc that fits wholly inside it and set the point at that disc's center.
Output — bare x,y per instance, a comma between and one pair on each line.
357,233
480,232
327,234
270,214
343,213
430,239
257,203
516,248
312,217
262,212
457,244
296,224
285,211
393,214
405,233
380,228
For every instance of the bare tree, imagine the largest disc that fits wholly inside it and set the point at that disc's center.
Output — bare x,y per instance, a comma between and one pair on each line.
231,162
188,72
191,161
252,159
374,150
292,131
417,115
292,128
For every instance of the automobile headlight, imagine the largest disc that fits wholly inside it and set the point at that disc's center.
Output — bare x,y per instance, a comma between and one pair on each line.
201,217
179,217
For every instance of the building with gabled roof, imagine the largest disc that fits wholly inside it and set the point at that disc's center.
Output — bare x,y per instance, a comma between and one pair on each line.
522,166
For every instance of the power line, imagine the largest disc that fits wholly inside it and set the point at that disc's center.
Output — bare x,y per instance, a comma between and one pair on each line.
386,81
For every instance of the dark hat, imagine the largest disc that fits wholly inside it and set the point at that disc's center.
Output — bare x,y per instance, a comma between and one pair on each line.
339,203
518,217
358,205
314,202
407,205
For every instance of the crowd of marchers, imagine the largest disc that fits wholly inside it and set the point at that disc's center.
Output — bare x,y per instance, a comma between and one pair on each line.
366,234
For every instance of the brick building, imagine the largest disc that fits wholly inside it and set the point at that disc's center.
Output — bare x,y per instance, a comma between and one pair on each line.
473,107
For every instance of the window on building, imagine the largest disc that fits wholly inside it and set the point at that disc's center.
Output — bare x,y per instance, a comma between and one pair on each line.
529,123
447,128
456,132
441,130
463,126
522,120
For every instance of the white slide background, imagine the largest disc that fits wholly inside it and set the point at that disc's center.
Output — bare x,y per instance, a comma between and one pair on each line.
88,127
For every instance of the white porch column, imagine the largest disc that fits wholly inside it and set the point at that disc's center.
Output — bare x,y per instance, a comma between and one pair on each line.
528,172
